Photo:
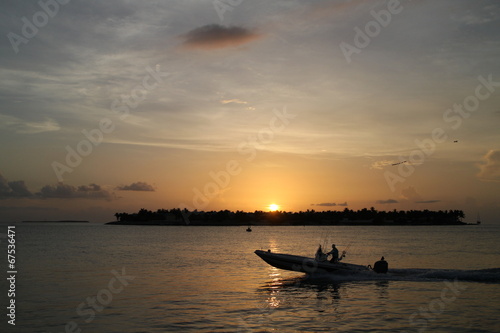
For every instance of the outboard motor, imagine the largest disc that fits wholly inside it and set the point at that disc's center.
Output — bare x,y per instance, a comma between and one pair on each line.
381,266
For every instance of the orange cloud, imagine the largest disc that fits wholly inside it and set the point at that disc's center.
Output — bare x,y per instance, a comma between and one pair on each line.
214,36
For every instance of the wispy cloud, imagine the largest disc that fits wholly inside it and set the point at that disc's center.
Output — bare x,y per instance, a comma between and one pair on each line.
234,100
409,193
381,164
215,36
25,208
138,186
325,9
28,127
490,170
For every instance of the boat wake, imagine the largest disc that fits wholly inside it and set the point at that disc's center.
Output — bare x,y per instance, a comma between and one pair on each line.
380,272
491,275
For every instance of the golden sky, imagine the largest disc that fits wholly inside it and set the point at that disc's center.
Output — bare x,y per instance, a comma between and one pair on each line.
112,107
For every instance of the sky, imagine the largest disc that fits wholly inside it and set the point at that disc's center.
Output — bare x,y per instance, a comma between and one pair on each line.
114,106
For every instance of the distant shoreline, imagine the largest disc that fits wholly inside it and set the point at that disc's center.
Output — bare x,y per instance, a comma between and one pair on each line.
346,217
59,221
281,223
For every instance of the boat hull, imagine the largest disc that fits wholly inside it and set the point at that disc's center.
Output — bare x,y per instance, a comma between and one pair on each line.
306,265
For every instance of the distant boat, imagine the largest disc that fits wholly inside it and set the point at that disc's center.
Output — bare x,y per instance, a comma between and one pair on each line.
309,265
478,219
249,229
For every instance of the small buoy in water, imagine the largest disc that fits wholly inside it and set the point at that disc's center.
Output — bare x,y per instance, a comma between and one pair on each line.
381,266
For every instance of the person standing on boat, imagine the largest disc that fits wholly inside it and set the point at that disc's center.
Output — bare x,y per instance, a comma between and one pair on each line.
335,255
320,256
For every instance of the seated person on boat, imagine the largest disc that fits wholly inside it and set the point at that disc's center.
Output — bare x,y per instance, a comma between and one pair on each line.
335,255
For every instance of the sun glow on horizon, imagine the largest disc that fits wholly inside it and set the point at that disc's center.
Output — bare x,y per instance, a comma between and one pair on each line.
273,207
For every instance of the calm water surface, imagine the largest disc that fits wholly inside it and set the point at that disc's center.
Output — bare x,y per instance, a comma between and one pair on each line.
99,278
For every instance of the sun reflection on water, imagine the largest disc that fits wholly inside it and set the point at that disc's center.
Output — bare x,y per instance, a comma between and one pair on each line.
273,245
273,302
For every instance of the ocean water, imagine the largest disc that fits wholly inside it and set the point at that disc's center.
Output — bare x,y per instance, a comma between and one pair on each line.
100,278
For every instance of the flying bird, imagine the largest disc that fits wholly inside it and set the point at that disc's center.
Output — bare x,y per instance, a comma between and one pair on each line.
393,164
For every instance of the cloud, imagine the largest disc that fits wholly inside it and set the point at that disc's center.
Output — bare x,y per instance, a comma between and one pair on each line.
18,189
325,9
490,171
385,202
25,208
330,204
234,100
13,189
381,164
91,191
409,193
215,36
139,186
28,127
428,201
325,204
47,125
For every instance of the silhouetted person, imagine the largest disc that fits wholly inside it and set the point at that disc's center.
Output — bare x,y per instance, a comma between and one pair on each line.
320,256
381,266
335,255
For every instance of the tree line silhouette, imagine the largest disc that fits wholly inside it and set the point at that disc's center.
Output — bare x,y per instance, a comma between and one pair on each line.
309,217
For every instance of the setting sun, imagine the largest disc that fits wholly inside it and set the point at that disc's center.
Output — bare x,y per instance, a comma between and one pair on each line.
273,207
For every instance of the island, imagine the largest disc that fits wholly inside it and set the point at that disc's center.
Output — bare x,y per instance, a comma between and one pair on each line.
364,217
